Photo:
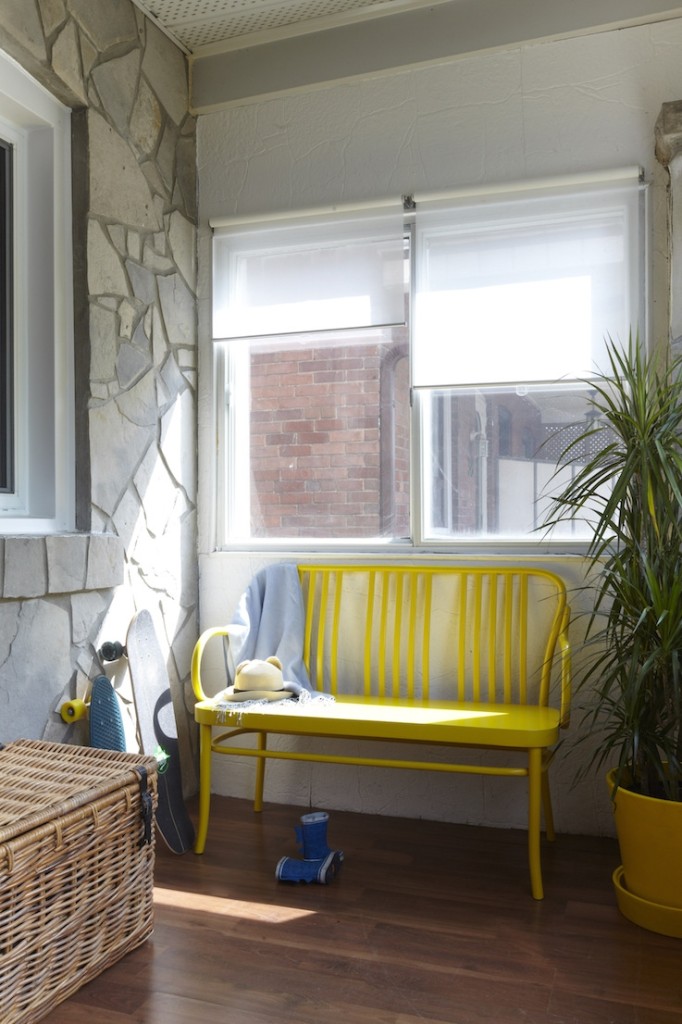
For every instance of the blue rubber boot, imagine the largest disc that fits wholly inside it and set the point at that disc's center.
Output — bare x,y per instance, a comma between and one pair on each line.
312,836
322,871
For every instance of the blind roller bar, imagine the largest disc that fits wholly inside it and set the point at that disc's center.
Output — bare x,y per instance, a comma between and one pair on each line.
305,216
626,175
632,174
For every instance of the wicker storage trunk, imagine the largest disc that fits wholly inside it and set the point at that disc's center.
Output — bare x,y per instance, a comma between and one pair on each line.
76,869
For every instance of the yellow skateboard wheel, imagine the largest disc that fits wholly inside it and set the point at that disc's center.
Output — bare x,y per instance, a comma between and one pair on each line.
73,710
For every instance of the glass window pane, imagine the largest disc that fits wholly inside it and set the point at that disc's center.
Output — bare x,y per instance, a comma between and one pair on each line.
489,458
326,438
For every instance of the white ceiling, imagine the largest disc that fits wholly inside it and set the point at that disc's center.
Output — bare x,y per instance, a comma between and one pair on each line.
197,24
239,49
211,25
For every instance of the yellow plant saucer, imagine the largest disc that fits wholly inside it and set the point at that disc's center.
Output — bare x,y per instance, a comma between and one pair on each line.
653,916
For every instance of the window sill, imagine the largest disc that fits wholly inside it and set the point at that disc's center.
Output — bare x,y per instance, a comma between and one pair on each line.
66,563
492,547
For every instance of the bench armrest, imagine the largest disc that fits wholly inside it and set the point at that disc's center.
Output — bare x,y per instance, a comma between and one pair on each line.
198,654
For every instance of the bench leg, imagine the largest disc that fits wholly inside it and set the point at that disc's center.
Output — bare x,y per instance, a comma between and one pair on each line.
547,805
535,776
205,735
260,774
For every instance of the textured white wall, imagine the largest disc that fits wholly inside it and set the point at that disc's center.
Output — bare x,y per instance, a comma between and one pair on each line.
541,109
547,108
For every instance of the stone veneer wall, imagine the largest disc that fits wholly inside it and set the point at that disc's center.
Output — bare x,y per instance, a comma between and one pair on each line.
134,159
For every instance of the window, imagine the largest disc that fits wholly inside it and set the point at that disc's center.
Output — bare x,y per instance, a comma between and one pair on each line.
515,296
312,359
6,320
415,381
36,334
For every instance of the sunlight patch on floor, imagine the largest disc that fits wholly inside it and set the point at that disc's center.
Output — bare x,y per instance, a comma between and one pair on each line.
242,909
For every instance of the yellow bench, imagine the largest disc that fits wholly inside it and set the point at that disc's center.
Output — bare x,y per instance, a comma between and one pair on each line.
446,656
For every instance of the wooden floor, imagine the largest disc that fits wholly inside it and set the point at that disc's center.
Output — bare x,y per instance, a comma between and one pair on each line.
426,923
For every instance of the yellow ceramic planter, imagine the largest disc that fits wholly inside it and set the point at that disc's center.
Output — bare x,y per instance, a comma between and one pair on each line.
655,917
649,883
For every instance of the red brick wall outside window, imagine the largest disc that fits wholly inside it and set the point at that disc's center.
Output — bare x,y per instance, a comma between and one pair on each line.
330,441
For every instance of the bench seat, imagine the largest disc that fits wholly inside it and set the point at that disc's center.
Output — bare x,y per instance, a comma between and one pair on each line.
503,726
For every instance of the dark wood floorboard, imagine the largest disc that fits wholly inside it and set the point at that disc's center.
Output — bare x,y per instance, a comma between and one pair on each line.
427,923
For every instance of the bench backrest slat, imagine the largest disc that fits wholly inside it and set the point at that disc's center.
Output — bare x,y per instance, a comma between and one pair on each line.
424,631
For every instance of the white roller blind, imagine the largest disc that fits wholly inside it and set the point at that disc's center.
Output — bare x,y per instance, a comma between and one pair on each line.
291,278
526,288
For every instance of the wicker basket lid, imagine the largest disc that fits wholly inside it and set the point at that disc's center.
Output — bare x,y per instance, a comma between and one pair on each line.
40,781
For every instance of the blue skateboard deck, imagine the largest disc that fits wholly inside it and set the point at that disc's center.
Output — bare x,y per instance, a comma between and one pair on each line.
158,730
104,717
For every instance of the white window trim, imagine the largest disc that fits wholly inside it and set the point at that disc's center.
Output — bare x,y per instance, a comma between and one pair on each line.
531,546
39,127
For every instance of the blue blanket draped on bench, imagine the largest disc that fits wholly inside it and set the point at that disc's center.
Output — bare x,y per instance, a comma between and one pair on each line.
270,619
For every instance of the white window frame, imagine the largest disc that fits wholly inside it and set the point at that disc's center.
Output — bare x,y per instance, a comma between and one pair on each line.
233,449
623,195
315,229
39,128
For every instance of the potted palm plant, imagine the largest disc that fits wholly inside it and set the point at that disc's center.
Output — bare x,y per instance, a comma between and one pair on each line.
630,492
